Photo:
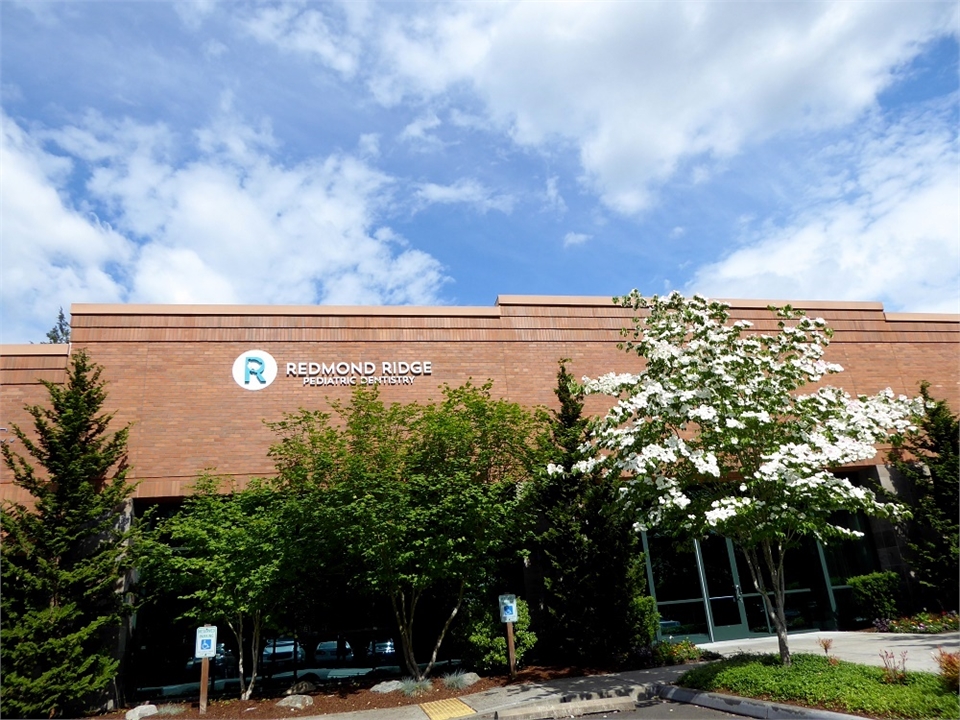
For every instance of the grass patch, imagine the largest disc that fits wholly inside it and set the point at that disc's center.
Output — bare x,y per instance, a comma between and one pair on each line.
813,681
413,688
456,680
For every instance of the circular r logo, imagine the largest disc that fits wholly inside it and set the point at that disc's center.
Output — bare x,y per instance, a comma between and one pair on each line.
254,370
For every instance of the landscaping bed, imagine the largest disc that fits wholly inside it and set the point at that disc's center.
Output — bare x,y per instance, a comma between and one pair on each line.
348,697
823,682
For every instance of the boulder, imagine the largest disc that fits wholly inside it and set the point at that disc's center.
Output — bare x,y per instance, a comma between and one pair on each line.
296,701
471,678
387,686
141,711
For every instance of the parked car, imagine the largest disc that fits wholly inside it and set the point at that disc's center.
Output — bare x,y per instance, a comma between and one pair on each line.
327,653
223,664
279,653
382,652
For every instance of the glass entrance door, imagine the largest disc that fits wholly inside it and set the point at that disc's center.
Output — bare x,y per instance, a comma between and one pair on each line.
723,589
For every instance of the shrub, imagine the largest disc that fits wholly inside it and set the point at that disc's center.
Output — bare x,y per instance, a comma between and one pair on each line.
949,663
487,640
676,653
646,621
893,671
875,595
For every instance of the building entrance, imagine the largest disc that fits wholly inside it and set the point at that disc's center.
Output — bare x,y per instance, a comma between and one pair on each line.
704,590
727,614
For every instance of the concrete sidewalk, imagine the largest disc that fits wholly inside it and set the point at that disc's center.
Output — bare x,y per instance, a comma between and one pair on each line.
856,647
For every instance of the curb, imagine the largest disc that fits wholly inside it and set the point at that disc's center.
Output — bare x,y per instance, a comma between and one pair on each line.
597,702
567,709
747,708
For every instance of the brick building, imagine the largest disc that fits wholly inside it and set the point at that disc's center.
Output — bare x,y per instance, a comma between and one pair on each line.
197,382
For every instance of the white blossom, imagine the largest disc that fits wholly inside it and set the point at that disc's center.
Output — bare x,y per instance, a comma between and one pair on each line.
719,397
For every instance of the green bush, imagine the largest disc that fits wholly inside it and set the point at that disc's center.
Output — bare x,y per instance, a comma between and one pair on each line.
813,681
676,653
487,640
646,621
875,595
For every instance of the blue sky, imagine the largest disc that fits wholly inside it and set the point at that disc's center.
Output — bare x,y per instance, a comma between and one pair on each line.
418,153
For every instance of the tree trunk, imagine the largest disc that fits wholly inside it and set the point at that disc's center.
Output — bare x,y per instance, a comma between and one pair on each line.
237,628
443,632
254,655
779,598
405,616
774,605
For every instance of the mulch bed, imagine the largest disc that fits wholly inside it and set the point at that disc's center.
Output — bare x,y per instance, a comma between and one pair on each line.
347,697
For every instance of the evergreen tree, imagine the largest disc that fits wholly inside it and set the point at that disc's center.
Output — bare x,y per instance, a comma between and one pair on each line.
592,607
928,459
59,334
64,559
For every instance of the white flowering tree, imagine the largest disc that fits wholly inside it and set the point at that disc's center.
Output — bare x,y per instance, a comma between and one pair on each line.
715,435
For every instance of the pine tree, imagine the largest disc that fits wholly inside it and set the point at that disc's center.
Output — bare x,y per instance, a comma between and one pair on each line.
928,459
64,559
586,549
59,334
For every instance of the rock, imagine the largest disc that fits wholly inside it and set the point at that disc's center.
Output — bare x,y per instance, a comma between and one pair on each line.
141,711
301,688
471,678
296,701
387,686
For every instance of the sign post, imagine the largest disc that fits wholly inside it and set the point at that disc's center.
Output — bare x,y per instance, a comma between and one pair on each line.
205,648
509,615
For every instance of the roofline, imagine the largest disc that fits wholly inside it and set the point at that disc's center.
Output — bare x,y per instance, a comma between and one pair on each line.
604,301
321,310
80,309
35,349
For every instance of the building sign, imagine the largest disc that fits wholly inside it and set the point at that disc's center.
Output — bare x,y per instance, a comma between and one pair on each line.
387,372
254,370
257,369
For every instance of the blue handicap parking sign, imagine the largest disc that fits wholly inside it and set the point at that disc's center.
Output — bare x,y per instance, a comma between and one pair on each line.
206,644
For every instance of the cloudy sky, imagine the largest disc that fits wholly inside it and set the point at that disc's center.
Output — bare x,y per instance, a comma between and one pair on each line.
417,153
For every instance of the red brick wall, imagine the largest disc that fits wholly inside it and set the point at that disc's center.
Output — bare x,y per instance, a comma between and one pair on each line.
169,367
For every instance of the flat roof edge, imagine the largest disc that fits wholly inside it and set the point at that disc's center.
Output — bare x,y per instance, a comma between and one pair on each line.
924,317
287,310
37,349
603,301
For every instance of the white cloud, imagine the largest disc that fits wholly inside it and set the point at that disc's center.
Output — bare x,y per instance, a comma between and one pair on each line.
50,254
228,225
465,191
418,130
645,90
885,229
317,33
192,13
369,145
572,238
554,200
